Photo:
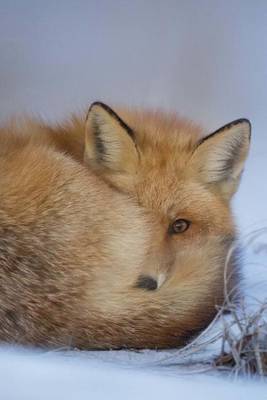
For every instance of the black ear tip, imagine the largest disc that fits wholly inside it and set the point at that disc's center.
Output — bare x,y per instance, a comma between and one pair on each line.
98,104
247,122
243,121
104,107
237,122
240,121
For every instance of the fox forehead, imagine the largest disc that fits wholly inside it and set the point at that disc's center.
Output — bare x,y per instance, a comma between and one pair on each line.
188,199
163,134
165,144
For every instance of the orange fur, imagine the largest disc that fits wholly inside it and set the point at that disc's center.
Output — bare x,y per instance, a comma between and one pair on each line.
78,228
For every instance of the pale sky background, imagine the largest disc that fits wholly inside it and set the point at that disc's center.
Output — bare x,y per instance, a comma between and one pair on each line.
206,59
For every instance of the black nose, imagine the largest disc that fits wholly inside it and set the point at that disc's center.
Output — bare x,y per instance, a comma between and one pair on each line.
146,282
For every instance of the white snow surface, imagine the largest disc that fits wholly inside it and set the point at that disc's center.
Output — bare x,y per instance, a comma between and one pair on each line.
206,59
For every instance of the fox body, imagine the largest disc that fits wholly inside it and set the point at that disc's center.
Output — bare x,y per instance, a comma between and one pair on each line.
115,228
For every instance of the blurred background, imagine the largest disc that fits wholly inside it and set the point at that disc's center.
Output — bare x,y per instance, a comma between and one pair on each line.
205,59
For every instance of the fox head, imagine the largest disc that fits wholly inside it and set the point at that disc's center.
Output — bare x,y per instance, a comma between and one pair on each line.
183,182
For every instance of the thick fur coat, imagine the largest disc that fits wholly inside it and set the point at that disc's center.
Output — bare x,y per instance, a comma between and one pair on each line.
115,228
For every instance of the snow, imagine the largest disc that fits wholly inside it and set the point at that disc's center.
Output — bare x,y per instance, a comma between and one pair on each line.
34,376
206,59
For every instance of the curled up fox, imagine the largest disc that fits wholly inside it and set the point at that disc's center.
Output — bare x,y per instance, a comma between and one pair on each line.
115,228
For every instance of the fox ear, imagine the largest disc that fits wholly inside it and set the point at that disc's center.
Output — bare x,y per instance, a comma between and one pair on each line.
109,143
219,158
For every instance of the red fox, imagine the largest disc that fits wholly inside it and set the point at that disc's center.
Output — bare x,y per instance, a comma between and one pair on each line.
115,228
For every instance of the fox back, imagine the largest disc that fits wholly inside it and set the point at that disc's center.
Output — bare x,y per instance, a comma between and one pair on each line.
115,229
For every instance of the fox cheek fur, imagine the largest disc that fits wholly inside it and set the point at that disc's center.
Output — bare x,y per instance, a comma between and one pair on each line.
114,232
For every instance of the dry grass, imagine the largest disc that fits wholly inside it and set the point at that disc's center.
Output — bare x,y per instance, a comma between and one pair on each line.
244,332
244,342
236,341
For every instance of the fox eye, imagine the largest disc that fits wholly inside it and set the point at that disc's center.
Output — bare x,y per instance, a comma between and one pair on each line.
179,226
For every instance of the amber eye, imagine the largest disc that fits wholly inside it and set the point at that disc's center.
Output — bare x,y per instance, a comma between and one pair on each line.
179,226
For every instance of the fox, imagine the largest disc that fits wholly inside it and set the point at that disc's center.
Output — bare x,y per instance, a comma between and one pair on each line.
115,228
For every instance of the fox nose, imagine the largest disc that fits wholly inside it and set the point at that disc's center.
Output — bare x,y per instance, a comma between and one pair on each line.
150,282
